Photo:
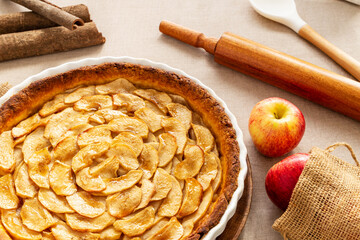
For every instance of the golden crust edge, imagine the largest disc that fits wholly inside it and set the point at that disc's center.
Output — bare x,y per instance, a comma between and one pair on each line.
31,98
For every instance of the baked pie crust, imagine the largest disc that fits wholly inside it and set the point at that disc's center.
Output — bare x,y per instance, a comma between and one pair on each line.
115,149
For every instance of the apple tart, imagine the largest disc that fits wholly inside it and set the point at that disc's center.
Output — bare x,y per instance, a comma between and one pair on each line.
115,151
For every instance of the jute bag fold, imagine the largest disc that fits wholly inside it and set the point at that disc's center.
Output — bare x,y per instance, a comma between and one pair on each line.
325,204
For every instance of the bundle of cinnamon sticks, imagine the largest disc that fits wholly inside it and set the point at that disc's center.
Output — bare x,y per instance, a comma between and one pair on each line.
47,29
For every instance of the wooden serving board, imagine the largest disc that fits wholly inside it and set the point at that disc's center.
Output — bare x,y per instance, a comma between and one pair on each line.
237,222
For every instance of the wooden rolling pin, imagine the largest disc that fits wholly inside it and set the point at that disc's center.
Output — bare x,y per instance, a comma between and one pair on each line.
304,79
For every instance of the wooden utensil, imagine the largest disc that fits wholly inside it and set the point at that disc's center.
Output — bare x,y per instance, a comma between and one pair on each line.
284,12
304,79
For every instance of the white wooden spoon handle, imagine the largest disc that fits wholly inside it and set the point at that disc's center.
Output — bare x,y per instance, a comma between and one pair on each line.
343,59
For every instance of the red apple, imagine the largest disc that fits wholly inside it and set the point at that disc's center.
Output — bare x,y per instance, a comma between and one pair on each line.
281,179
276,126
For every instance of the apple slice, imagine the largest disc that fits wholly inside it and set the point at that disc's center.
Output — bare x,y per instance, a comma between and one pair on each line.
106,169
85,156
149,160
120,85
85,224
192,199
61,179
177,129
129,101
114,185
53,202
105,115
89,182
132,140
167,148
208,171
24,186
8,198
110,234
53,106
204,138
78,94
61,231
161,99
123,203
155,228
147,191
97,134
152,119
172,230
192,163
136,224
28,125
34,216
93,103
7,159
39,169
66,149
180,112
13,224
3,234
129,124
34,142
163,184
172,203
127,157
87,205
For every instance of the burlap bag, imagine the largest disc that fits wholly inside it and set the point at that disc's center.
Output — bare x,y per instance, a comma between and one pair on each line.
325,203
4,87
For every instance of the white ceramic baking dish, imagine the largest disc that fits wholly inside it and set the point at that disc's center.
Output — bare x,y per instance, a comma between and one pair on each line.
219,228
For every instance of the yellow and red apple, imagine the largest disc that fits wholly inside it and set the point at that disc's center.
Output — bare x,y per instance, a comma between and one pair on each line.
281,179
276,126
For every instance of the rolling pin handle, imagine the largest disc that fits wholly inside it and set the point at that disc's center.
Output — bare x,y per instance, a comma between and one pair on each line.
188,36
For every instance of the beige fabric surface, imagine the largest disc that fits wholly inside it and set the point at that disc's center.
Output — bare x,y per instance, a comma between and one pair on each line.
131,29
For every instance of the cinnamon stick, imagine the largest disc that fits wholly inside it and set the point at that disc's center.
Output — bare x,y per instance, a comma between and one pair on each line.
48,40
52,13
25,21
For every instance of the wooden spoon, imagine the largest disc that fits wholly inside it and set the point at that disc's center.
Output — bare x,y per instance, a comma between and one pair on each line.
284,12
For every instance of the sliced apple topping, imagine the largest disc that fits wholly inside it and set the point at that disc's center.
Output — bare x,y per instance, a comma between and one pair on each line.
76,130
105,115
126,156
154,108
192,199
177,129
53,202
155,228
136,224
59,123
87,205
147,191
114,185
7,159
204,138
110,234
191,165
78,94
171,204
35,216
28,125
106,169
85,156
24,186
149,160
61,179
161,99
61,231
218,178
120,85
129,124
167,148
89,182
8,198
129,101
94,135
66,149
181,113
123,203
132,140
208,171
13,224
93,103
152,119
34,142
39,169
163,184
85,224
53,106
173,230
